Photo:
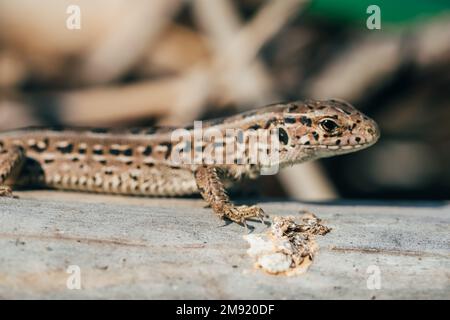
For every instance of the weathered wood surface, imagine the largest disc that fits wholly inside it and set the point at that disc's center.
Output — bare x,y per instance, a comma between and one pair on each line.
175,248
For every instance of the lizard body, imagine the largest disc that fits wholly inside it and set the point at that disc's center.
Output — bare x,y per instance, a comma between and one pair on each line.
141,161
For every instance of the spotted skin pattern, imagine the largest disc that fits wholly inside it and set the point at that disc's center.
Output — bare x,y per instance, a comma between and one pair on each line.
139,161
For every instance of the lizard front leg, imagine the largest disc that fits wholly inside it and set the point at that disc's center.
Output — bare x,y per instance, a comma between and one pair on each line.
11,162
212,190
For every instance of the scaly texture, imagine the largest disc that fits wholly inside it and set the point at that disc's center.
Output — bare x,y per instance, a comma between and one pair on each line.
141,161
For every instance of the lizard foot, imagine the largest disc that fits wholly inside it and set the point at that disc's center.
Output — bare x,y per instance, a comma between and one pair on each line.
241,213
6,192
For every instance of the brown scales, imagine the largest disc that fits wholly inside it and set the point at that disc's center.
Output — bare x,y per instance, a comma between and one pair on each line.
140,161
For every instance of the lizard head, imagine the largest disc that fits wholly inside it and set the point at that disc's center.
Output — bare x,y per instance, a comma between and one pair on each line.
316,129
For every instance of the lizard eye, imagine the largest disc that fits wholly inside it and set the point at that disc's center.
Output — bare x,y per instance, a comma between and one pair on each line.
283,136
329,125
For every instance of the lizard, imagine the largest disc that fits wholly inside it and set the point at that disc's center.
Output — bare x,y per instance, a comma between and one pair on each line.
139,161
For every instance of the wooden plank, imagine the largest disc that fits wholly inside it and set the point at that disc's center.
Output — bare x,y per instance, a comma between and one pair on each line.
176,248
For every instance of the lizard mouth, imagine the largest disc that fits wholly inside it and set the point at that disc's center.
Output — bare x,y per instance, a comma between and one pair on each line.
341,147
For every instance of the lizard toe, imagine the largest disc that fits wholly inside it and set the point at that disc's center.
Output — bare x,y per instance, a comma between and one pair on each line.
6,192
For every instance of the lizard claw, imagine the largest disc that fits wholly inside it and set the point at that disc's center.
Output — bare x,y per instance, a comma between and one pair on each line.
6,192
241,213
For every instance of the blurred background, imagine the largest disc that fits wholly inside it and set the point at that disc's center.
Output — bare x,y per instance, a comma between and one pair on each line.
144,62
